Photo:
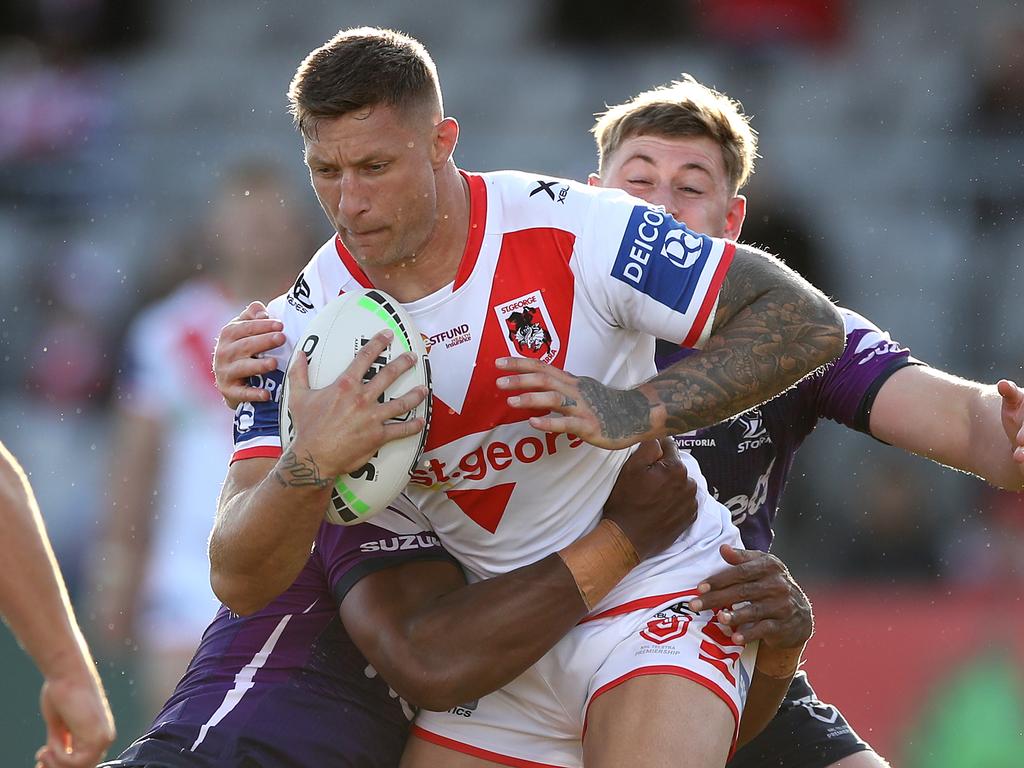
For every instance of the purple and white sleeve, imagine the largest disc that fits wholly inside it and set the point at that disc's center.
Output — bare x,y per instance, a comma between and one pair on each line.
846,389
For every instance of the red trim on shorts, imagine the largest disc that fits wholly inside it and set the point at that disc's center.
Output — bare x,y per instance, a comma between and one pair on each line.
711,296
664,669
639,604
259,452
483,754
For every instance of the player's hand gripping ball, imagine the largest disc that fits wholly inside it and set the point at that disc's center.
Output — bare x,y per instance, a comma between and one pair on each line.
330,343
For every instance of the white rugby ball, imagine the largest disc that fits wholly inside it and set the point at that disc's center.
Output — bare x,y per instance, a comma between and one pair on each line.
330,343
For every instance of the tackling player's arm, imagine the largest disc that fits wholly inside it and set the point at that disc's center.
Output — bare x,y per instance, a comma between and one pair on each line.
440,643
963,424
270,510
771,328
775,611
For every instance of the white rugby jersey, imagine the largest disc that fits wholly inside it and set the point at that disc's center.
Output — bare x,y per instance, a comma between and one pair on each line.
167,378
576,276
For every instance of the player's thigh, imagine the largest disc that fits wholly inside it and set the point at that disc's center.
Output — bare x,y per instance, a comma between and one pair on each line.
420,753
652,720
865,759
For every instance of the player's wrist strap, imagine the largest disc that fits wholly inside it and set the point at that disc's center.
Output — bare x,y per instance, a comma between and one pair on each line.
599,561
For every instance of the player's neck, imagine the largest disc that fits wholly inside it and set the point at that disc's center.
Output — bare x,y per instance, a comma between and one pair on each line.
437,264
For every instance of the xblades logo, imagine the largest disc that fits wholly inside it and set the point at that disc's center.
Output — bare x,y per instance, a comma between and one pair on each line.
547,188
299,295
544,186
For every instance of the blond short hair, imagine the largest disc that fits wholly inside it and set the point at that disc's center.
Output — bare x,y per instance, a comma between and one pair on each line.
683,108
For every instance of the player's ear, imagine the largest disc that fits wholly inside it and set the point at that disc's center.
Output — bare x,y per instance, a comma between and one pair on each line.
446,136
594,180
734,217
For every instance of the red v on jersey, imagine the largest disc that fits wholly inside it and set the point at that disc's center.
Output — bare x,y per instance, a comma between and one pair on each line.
484,506
532,292
522,276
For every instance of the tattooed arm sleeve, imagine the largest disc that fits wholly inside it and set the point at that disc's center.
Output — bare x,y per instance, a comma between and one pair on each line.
771,328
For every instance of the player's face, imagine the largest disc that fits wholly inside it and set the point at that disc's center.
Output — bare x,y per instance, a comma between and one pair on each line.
686,175
374,173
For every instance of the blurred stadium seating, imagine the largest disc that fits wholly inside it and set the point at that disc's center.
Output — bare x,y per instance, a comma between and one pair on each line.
893,152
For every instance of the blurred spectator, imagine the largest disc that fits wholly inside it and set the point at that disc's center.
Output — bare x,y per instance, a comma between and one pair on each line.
58,93
102,26
173,434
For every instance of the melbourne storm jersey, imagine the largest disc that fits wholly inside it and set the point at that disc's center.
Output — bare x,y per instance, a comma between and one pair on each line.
286,686
578,277
746,460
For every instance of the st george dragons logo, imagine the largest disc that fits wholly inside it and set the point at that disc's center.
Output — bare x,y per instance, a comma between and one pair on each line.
529,331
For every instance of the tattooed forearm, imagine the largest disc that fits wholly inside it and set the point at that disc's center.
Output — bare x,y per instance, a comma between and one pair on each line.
771,329
622,413
293,472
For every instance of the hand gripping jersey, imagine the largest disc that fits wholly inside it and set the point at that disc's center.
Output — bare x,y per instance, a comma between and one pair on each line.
747,459
578,277
286,686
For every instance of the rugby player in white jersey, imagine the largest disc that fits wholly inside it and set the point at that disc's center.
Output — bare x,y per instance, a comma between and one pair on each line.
498,492
691,149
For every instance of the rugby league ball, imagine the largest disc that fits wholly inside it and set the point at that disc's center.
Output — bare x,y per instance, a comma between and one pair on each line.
330,343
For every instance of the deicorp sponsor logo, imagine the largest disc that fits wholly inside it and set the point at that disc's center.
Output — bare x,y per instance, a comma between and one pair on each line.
262,415
661,258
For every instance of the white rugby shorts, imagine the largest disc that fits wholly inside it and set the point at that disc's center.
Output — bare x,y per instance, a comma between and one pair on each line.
539,719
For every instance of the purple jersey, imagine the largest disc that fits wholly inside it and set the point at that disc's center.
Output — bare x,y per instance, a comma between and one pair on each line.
747,458
286,686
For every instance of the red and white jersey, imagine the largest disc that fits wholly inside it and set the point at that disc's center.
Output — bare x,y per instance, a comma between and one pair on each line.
579,277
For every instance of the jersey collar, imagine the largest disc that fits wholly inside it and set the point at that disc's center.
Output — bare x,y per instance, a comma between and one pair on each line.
477,225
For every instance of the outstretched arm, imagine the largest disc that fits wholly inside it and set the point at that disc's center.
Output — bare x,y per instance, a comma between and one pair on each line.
974,427
35,604
771,329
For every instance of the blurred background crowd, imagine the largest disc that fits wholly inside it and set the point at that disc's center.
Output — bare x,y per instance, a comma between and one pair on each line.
152,185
